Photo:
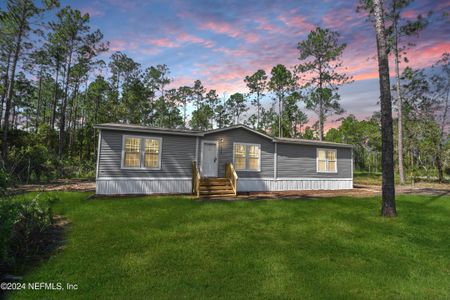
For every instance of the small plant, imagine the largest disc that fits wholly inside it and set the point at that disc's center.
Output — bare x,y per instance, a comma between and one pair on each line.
24,227
4,181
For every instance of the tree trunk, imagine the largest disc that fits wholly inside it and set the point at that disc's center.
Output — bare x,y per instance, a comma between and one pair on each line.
399,104
258,109
10,91
55,97
321,116
5,84
441,139
320,121
280,111
82,135
14,115
73,118
38,109
412,167
97,105
62,123
184,113
388,208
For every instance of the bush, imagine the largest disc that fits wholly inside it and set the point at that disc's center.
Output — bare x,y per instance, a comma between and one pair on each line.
24,227
4,181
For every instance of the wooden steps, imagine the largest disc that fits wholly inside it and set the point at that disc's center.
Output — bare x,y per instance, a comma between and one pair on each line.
216,188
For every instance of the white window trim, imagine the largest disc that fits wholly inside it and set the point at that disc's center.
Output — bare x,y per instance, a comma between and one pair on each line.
317,160
142,145
246,157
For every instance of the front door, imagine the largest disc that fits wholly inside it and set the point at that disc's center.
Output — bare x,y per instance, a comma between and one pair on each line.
210,161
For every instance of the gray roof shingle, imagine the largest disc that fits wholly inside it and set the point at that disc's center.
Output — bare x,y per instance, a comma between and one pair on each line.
189,132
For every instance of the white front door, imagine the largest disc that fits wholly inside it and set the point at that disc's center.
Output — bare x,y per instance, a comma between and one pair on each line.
210,161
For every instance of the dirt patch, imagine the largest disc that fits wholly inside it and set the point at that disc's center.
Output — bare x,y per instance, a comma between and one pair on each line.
59,185
359,190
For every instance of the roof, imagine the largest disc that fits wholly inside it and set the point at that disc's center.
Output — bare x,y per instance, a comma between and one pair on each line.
140,128
310,142
236,127
189,132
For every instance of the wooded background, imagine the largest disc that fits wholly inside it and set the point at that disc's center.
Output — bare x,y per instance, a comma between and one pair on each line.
57,82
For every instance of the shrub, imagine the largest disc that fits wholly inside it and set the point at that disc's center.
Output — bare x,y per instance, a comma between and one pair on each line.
24,228
8,217
4,181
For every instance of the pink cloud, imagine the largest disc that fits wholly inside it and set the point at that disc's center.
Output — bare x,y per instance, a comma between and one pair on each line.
410,14
363,68
178,40
220,27
164,42
296,21
265,25
188,38
343,18
230,30
425,56
181,81
120,45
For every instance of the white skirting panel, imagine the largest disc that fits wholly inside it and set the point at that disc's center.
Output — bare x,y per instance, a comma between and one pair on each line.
143,186
293,184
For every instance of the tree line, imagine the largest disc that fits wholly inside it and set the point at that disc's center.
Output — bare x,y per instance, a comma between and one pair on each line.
55,87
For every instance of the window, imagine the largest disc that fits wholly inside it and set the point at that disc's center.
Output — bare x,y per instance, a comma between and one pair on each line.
132,157
247,157
253,157
151,158
239,156
326,160
141,152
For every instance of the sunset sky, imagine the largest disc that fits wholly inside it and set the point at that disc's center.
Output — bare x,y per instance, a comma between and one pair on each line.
220,42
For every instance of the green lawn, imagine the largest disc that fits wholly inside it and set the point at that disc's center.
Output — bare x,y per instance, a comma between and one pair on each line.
172,247
374,178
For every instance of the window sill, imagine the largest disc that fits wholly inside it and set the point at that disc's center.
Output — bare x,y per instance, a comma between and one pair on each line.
138,168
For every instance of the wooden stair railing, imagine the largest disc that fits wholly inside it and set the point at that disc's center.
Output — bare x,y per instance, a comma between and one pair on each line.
195,179
232,176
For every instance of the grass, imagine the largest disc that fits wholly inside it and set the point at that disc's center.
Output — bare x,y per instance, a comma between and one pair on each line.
173,247
367,178
374,178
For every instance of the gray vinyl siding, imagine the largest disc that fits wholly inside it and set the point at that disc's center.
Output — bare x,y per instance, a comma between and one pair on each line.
298,161
178,151
177,154
244,136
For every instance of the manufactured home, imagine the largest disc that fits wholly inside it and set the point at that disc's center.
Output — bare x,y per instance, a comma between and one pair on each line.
136,159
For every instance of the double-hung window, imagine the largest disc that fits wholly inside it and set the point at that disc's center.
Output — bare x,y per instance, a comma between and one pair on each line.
152,153
141,153
326,161
247,157
132,152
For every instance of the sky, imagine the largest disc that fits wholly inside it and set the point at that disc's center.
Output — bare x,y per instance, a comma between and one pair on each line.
220,42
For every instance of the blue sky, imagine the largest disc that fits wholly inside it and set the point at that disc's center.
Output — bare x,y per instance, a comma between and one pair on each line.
220,42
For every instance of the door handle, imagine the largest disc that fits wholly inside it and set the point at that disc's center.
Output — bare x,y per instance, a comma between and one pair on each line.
215,159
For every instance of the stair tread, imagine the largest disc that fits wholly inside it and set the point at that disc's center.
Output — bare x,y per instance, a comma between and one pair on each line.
216,192
218,196
216,187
